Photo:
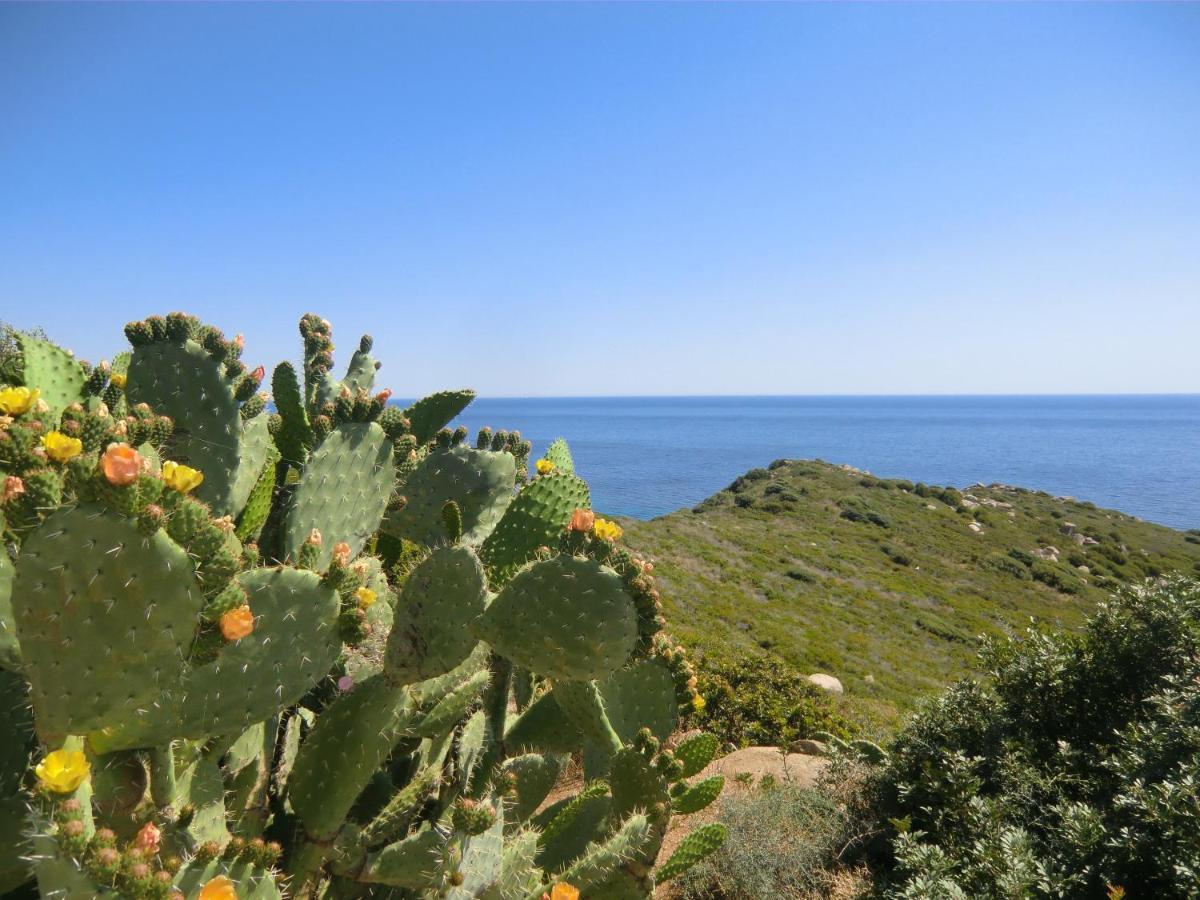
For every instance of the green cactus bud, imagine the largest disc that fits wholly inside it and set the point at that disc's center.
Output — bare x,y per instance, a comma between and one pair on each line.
452,519
472,817
309,556
151,518
180,326
139,334
253,406
394,423
103,864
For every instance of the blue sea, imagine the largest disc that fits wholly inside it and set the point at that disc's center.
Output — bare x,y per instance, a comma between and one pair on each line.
648,456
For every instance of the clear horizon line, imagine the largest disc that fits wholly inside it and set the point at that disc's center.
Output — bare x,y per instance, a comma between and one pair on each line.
483,396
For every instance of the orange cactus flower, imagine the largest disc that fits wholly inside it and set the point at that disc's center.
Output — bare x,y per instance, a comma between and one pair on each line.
63,770
564,891
341,554
219,888
582,520
121,464
181,478
147,839
237,623
13,487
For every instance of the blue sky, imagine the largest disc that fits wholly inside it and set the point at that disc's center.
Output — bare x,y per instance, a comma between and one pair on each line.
591,199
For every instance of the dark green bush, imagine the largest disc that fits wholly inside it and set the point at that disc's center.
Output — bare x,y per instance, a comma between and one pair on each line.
899,557
1009,565
762,701
1055,576
1072,768
1022,556
856,509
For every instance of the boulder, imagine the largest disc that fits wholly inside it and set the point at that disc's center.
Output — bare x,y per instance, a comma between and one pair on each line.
808,747
799,768
826,683
1050,553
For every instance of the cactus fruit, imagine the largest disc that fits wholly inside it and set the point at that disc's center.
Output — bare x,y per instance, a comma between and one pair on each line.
203,658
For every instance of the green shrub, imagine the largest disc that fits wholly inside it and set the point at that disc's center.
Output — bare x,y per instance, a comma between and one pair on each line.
1022,556
1055,577
762,701
899,557
1009,565
1073,767
783,841
855,509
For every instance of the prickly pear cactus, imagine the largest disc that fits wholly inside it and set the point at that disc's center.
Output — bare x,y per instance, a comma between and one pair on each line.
211,686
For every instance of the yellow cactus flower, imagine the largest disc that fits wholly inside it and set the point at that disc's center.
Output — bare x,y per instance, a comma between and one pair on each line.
698,703
61,447
237,623
607,530
366,597
181,478
118,379
17,400
544,466
564,891
219,888
63,770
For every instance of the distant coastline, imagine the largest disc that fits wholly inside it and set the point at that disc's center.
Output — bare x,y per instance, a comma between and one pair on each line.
648,456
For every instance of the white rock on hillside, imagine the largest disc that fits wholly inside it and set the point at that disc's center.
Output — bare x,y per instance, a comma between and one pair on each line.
826,683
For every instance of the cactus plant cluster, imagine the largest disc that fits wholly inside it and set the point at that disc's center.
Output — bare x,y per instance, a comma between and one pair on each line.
317,644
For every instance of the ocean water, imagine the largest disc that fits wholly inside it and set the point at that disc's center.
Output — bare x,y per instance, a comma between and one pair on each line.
648,456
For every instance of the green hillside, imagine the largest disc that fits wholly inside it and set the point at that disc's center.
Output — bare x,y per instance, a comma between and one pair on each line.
886,584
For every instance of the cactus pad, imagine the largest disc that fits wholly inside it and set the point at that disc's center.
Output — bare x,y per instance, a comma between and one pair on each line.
535,519
696,846
565,617
52,370
249,882
641,695
183,381
105,616
430,633
293,646
696,752
436,411
411,863
343,491
560,454
481,482
10,648
535,775
352,739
